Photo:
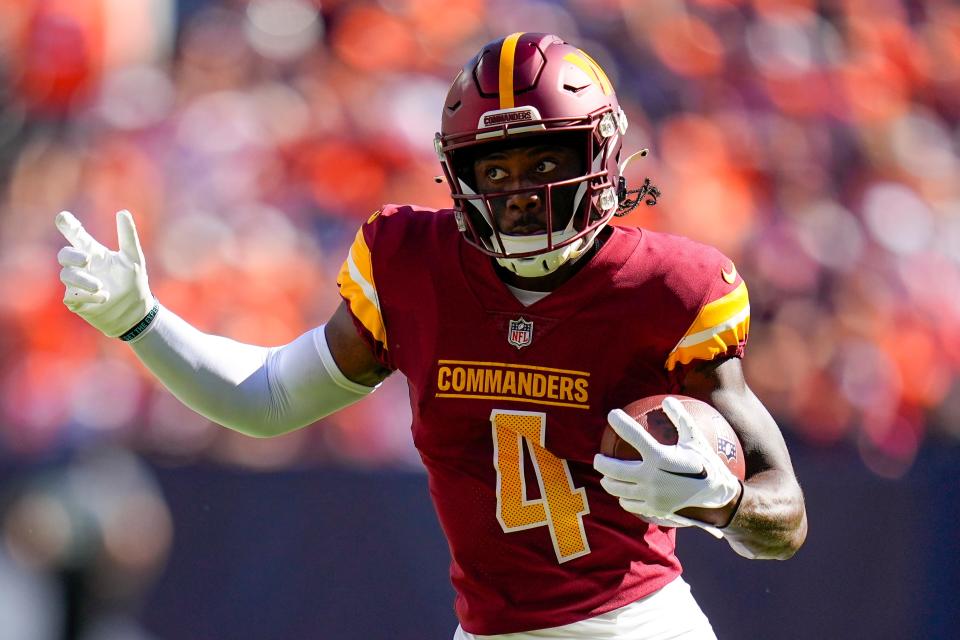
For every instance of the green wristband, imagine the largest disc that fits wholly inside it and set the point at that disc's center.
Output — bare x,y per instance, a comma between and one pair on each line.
141,326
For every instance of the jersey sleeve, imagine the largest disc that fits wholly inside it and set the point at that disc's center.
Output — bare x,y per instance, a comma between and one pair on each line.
722,323
358,288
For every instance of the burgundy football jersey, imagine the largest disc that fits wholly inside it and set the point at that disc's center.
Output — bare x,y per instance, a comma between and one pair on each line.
509,402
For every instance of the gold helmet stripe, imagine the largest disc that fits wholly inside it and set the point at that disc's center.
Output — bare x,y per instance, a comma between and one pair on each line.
604,80
507,52
591,68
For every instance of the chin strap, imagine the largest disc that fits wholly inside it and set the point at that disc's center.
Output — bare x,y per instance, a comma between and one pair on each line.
630,199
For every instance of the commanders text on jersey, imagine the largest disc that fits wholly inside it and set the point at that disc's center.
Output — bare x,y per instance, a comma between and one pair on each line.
502,381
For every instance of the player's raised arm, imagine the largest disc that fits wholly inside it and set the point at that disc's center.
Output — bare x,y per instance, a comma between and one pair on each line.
256,390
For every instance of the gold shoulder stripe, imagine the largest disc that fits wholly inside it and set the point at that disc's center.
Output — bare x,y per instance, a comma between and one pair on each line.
508,52
720,310
710,348
720,324
357,287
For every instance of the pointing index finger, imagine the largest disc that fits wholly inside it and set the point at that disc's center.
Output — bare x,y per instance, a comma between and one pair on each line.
75,234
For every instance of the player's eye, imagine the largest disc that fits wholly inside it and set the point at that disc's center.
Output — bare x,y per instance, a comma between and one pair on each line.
495,174
546,166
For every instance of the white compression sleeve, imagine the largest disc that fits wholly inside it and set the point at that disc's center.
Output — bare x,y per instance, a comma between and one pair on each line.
259,391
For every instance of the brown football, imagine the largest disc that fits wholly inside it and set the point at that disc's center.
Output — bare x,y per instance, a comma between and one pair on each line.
713,426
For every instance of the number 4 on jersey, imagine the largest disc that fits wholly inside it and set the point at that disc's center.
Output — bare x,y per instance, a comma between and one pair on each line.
560,507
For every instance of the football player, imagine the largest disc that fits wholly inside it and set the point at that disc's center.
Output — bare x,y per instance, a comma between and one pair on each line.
520,318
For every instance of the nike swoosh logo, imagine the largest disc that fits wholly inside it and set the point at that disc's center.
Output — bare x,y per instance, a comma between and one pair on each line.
729,276
696,476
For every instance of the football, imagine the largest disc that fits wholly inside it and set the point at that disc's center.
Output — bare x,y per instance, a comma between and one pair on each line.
715,429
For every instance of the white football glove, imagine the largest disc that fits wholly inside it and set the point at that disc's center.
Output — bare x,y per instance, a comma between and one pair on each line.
670,477
106,288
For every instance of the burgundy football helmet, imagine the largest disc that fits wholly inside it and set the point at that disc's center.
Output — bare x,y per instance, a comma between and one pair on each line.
534,88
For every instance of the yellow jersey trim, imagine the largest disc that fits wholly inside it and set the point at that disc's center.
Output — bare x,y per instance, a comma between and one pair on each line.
720,310
721,324
358,288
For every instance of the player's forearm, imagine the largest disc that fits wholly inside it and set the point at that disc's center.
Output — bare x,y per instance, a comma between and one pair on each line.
223,380
254,390
771,522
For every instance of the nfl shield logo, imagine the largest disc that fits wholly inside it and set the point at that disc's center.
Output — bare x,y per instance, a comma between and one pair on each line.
727,448
520,333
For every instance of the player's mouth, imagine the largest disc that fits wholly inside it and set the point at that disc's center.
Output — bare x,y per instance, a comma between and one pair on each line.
527,230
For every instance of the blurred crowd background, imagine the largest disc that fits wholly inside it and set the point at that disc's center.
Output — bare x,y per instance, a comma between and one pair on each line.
816,143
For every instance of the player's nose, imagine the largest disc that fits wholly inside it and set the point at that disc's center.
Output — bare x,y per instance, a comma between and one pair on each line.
526,202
